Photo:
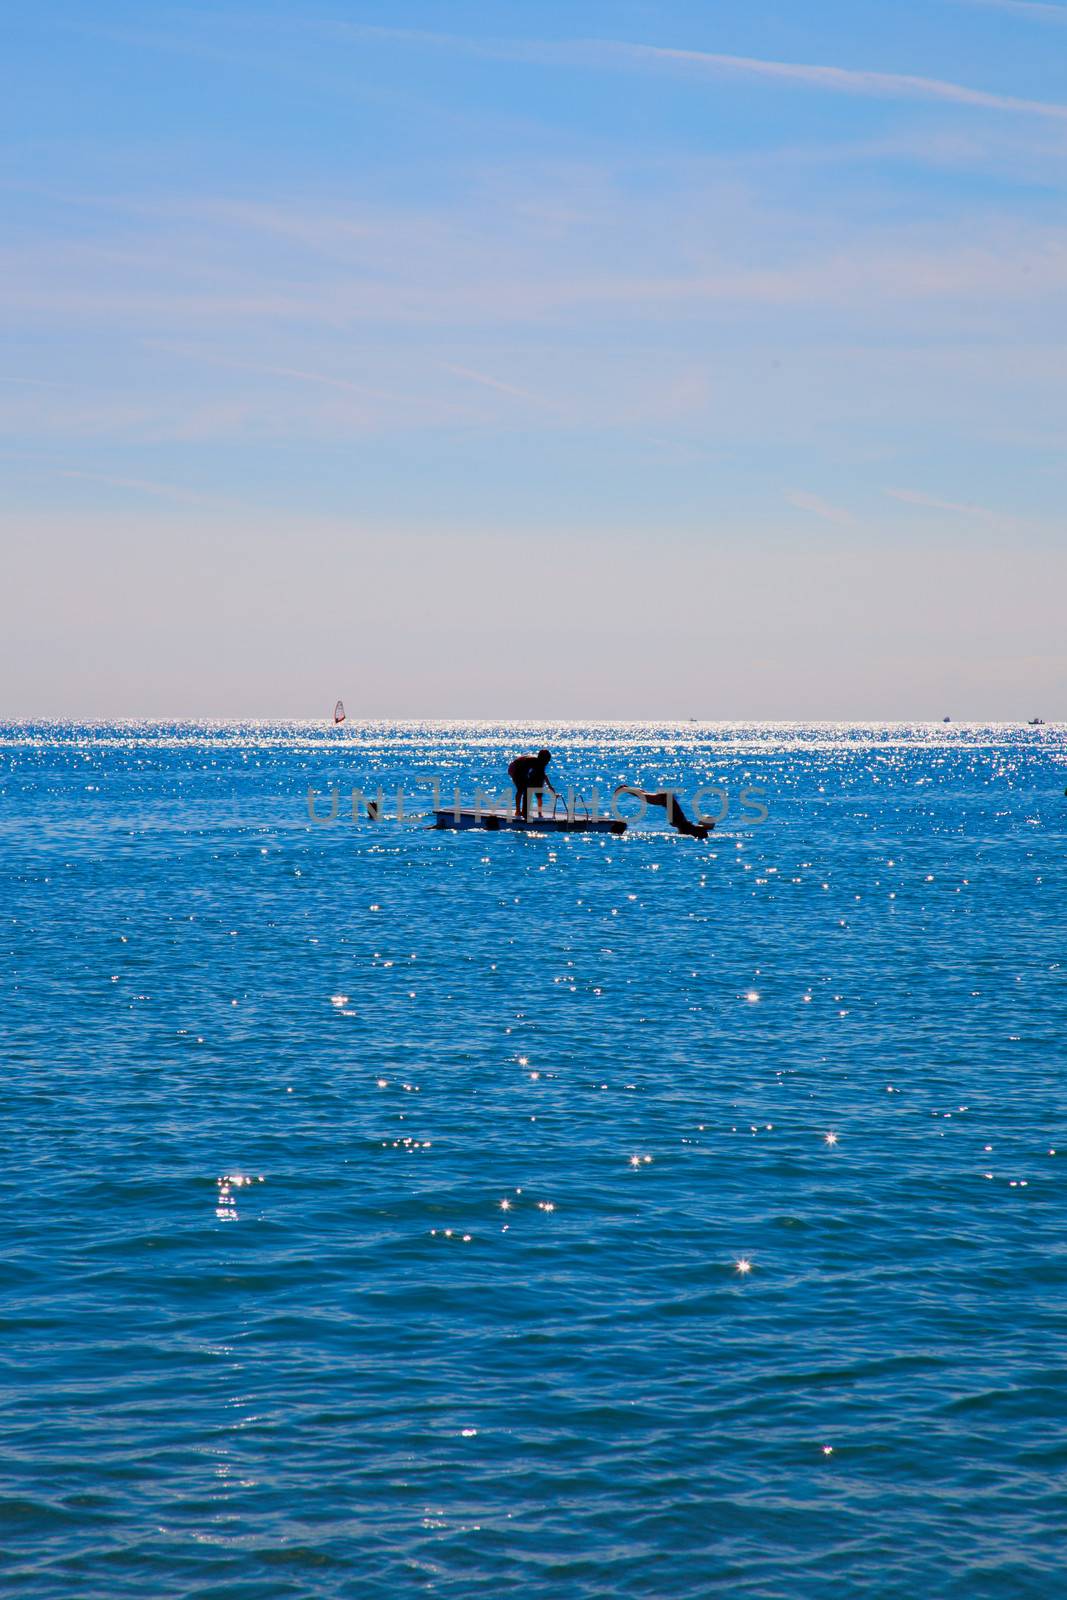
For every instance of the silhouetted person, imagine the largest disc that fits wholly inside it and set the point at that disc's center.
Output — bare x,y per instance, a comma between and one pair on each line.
675,815
526,773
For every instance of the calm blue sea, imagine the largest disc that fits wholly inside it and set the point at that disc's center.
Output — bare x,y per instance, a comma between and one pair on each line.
388,1211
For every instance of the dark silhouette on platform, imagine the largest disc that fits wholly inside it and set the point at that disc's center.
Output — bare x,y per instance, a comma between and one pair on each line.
528,775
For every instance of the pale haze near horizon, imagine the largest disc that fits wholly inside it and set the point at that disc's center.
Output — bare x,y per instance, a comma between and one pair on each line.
610,361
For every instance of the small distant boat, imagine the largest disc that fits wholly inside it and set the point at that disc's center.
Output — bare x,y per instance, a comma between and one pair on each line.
1036,722
339,711
946,719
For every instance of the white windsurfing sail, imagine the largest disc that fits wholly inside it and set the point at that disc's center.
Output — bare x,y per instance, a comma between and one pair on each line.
339,711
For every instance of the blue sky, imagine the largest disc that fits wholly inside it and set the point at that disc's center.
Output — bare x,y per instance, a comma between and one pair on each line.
572,359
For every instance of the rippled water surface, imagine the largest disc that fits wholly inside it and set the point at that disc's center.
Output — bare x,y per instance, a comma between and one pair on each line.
389,1211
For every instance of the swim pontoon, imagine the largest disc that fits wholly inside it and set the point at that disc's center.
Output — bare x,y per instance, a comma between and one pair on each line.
562,819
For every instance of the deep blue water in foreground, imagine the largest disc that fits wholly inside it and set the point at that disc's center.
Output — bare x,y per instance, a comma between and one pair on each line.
376,1201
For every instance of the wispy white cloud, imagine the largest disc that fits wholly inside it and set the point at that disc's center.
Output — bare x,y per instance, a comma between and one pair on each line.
600,53
492,383
165,491
836,80
32,383
818,507
299,375
208,500
1037,8
530,283
263,369
930,502
844,80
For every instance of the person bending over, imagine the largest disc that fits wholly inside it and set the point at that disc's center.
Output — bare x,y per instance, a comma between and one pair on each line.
528,775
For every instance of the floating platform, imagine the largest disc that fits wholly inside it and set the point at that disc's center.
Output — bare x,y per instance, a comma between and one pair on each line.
505,822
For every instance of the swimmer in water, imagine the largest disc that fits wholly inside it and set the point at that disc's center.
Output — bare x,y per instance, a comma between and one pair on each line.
675,815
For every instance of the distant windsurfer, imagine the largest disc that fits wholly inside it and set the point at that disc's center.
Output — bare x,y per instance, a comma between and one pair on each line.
528,775
675,815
